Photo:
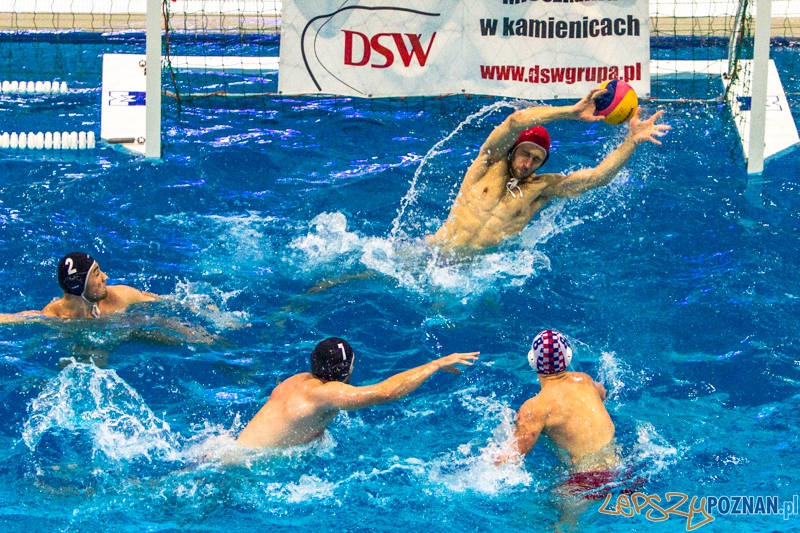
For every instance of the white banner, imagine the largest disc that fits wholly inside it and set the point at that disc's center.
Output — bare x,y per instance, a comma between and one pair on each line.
535,49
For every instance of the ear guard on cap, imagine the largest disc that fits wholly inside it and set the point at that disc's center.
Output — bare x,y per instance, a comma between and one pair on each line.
72,272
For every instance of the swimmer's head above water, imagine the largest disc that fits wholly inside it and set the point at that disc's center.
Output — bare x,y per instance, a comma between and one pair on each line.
74,272
550,353
332,360
529,152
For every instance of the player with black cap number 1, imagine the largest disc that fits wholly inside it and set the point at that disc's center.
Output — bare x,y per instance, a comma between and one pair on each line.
302,406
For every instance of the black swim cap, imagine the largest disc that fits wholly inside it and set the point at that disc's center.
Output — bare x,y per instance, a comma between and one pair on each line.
72,272
332,360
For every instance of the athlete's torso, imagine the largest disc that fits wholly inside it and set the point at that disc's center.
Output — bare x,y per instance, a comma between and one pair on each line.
486,212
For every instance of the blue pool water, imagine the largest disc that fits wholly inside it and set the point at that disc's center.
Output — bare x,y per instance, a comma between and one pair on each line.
677,284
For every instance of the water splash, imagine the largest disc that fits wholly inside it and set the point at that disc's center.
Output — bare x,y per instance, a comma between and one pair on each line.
209,303
652,453
307,488
214,446
472,467
243,240
613,374
97,401
412,193
329,248
327,240
551,221
231,245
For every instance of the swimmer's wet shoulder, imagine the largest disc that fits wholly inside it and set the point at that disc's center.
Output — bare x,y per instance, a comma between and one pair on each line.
120,297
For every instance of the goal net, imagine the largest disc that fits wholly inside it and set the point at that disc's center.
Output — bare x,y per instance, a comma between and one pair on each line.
229,51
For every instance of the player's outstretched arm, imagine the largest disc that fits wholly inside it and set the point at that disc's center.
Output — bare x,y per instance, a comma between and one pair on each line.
348,397
587,179
17,318
505,135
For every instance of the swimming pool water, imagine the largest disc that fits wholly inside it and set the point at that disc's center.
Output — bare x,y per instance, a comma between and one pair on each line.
677,283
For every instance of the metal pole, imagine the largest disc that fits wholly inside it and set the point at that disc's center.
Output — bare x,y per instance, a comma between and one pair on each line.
153,101
758,109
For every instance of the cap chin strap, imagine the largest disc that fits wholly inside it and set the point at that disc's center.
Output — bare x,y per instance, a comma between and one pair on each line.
95,309
513,183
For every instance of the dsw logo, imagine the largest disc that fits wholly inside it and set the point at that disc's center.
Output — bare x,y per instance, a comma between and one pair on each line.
359,49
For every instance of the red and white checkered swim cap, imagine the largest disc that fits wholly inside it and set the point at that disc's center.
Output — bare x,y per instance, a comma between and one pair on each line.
550,353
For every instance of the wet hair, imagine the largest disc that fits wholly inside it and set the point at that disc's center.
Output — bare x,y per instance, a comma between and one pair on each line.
332,360
73,269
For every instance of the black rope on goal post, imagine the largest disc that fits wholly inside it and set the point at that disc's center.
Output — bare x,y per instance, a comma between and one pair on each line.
168,56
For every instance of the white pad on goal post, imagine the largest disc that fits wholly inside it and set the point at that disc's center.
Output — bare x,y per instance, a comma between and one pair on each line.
123,113
780,135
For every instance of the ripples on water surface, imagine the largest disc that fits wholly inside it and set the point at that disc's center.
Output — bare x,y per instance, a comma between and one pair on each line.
677,283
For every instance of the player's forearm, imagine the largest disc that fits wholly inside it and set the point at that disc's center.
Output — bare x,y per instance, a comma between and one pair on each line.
16,318
405,383
534,116
508,453
612,164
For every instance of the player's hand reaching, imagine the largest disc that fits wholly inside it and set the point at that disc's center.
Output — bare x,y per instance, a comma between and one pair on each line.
449,362
585,108
647,130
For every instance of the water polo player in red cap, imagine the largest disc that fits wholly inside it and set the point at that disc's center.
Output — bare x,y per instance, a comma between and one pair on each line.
501,191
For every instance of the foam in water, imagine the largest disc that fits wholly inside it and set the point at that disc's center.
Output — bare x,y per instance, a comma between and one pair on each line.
472,467
329,246
97,401
210,303
306,488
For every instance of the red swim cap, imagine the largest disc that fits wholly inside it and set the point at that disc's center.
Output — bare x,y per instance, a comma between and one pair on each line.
536,135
